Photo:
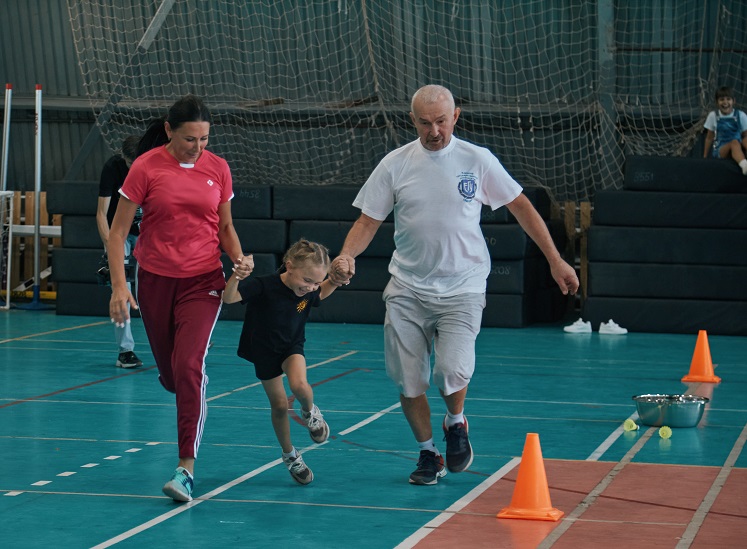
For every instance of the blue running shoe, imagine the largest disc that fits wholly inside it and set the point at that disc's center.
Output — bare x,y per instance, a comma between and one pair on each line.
179,488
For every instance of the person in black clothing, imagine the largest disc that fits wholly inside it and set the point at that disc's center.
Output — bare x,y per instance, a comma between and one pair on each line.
112,177
273,336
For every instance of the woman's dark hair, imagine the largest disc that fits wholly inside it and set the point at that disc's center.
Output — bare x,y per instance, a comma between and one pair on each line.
154,136
129,147
189,108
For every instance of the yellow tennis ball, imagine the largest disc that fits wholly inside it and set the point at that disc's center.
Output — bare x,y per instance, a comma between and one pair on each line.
630,425
665,432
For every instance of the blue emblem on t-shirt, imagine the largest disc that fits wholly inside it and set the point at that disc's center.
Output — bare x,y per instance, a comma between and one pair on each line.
467,186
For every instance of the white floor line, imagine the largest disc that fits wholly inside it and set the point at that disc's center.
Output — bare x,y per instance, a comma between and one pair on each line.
333,359
609,441
592,496
182,508
368,420
220,489
309,367
457,506
718,483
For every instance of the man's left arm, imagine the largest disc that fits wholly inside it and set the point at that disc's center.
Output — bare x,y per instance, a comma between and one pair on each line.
533,224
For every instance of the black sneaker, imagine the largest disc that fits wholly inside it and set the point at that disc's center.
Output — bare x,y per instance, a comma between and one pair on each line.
430,469
128,360
458,448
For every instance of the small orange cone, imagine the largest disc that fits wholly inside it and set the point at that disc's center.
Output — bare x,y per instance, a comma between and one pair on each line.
701,367
531,498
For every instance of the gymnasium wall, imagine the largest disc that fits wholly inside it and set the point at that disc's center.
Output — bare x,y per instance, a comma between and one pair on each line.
653,76
520,290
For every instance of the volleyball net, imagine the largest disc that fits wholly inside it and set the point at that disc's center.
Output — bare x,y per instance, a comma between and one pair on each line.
317,92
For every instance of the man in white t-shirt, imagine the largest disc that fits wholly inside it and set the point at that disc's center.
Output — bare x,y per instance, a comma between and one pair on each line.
436,186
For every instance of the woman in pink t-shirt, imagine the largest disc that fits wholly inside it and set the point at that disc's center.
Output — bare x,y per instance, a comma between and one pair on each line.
185,192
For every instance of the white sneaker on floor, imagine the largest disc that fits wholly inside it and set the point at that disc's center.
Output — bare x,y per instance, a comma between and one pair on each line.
579,327
611,328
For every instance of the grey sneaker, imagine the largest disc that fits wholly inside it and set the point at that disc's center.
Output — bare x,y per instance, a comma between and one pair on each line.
318,428
458,449
179,488
430,469
298,469
128,359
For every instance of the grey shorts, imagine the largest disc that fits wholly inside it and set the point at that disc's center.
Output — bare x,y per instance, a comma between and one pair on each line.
417,326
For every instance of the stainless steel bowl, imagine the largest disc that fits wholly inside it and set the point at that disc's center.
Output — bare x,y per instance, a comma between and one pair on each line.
670,410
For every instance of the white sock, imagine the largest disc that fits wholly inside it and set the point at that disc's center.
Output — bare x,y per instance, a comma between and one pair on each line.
743,165
308,414
453,419
292,454
428,445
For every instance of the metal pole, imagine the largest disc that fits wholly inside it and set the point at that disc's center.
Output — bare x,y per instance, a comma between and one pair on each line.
37,189
6,194
9,242
6,134
35,303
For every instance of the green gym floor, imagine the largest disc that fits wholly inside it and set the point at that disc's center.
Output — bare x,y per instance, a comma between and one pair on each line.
85,447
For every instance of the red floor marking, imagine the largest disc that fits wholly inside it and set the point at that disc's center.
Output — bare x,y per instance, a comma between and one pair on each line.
37,397
645,506
726,523
29,336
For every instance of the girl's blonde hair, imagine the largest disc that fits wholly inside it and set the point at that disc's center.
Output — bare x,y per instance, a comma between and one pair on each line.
306,251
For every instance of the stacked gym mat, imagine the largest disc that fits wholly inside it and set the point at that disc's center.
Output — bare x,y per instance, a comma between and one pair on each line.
269,218
74,265
667,253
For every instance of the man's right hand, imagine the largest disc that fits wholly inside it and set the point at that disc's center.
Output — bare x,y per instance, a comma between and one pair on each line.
342,269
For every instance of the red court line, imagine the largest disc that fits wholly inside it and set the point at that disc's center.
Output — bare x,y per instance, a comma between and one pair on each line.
37,397
53,332
646,505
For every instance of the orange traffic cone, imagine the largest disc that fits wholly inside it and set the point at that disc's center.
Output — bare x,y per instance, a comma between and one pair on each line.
701,367
531,499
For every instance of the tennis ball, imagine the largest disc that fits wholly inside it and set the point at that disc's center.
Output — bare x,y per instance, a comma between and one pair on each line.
665,432
630,425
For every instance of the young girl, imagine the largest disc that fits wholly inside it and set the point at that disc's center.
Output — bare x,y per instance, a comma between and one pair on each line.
727,130
273,336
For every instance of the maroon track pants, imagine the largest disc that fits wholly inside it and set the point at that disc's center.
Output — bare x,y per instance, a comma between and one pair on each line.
179,315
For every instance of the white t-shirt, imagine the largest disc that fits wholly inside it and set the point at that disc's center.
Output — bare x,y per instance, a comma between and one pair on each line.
437,197
711,122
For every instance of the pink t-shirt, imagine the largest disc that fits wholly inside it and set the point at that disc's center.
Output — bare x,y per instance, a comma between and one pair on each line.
179,232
